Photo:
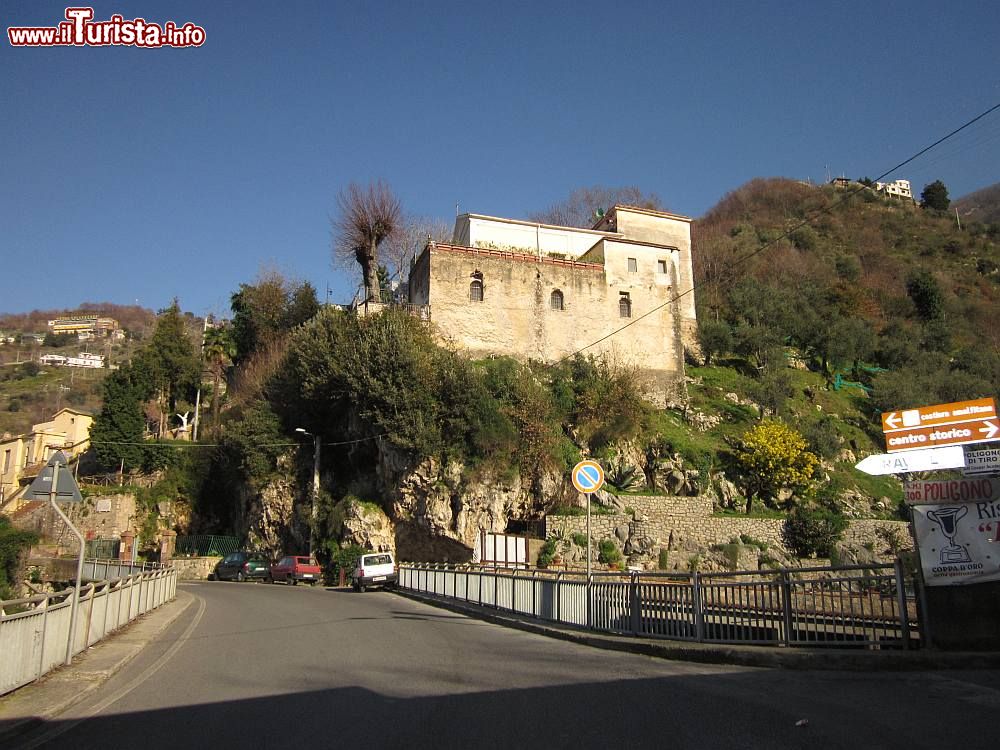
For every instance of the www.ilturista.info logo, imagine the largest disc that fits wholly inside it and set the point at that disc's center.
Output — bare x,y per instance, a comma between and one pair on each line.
80,30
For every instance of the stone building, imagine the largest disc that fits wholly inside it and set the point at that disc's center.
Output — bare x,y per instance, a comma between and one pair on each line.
530,290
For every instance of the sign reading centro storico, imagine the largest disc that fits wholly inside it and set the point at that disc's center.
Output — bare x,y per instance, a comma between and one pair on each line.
959,542
957,423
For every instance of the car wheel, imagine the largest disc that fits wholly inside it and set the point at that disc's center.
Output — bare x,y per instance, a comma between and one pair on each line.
294,581
240,577
270,578
362,588
211,576
356,587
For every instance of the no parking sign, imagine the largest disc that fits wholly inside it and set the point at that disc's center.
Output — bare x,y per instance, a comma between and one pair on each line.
588,476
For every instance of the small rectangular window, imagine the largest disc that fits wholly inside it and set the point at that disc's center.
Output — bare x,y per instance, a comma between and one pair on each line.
661,266
633,265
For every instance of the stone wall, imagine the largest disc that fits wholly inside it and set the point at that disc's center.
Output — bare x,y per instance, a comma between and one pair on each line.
687,523
194,568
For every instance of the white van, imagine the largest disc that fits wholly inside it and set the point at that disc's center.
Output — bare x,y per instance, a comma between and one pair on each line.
374,569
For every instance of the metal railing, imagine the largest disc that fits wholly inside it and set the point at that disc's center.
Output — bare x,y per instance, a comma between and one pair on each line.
862,606
106,570
35,631
207,545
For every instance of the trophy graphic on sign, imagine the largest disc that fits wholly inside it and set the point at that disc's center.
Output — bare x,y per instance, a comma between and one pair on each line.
947,519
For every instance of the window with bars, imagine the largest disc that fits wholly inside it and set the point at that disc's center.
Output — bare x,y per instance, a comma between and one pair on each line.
556,300
476,290
624,305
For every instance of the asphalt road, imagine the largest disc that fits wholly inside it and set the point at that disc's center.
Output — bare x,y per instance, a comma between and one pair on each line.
259,666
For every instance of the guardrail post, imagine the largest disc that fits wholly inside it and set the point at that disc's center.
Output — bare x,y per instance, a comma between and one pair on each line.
786,605
904,620
41,649
699,615
90,615
558,595
635,607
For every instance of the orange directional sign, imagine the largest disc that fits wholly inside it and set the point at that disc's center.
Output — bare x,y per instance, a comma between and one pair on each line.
957,423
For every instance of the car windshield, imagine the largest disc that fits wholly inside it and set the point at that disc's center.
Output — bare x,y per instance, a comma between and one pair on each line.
377,560
304,561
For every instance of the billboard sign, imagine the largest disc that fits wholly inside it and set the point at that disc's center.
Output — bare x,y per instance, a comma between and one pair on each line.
959,543
957,423
981,461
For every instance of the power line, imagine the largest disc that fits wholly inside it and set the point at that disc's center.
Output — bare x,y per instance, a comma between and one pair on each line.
770,243
188,444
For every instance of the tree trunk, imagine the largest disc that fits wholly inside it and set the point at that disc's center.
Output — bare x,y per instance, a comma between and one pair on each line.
215,398
371,274
749,504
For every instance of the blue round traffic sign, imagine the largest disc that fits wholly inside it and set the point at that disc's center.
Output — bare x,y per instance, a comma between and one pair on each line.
588,476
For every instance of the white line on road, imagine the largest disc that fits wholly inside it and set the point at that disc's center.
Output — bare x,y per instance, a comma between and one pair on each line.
137,682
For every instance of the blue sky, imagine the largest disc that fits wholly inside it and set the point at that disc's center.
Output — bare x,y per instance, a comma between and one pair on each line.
143,174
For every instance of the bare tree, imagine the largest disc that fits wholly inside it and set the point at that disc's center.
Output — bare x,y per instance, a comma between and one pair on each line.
578,210
368,215
412,235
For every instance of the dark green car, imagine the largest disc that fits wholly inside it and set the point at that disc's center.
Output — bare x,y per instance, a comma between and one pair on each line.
242,566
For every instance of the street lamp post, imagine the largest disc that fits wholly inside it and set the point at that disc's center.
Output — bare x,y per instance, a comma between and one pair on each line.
315,490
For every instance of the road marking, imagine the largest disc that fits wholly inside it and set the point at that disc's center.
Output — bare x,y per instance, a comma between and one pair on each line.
137,682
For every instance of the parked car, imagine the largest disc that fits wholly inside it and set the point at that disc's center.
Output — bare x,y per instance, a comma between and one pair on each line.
373,569
294,568
241,566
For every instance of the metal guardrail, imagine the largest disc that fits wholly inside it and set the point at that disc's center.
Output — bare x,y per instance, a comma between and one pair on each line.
105,570
35,631
863,606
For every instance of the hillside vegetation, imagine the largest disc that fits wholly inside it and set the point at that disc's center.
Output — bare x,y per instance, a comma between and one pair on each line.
982,206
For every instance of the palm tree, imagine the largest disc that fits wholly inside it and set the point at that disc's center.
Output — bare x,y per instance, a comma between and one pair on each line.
219,350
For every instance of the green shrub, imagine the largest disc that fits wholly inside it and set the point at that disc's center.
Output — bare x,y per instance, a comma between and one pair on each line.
608,552
580,540
663,560
812,532
548,552
342,558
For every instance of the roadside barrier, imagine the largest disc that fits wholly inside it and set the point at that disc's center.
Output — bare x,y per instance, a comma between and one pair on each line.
35,631
860,606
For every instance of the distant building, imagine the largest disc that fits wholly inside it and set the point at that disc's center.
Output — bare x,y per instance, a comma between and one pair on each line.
95,325
539,291
84,359
897,189
21,456
840,182
52,359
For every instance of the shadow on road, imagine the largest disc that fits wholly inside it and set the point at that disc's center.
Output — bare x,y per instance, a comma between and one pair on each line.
728,710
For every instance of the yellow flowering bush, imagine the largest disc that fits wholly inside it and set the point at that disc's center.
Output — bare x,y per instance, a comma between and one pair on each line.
773,456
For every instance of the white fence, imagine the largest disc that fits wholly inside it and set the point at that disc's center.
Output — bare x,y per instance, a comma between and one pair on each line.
34,632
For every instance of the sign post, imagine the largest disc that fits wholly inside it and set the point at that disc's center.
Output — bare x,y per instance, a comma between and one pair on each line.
588,478
904,462
60,485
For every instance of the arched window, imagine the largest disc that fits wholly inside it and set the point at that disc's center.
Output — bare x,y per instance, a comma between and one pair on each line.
476,290
624,306
556,300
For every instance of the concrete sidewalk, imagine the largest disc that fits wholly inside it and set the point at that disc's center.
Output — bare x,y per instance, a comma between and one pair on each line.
61,688
770,657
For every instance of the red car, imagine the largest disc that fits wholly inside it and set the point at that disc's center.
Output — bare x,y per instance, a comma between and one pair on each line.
293,568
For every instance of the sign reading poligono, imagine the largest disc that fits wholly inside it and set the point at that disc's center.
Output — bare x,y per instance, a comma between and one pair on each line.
959,543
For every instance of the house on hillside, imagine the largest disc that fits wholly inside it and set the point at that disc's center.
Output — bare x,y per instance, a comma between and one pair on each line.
21,456
538,291
897,189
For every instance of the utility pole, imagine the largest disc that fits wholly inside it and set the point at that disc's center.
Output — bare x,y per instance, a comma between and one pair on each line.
201,368
314,510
